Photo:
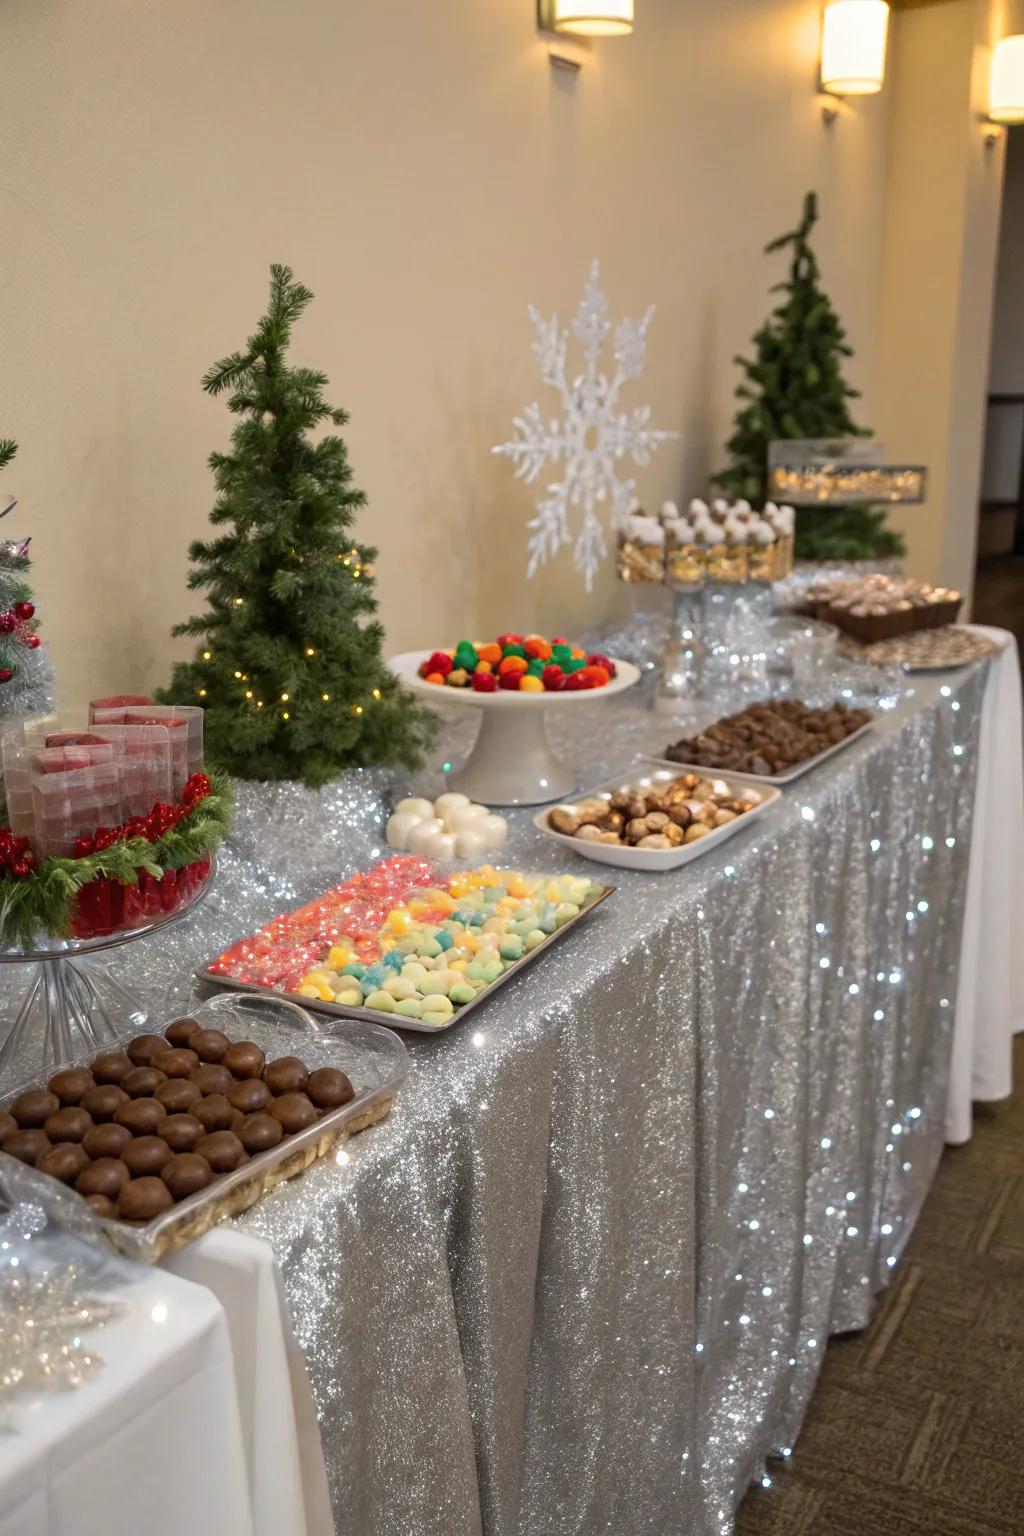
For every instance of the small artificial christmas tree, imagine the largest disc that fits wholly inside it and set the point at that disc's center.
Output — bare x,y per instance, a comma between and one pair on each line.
26,677
290,670
794,388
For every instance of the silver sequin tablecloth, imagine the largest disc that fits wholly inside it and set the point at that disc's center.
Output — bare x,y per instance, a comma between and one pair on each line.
582,1279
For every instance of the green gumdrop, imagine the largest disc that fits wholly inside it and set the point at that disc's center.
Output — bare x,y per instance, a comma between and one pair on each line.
475,970
574,666
534,937
383,1002
431,948
515,650
462,992
465,656
561,655
410,1008
511,948
492,970
535,666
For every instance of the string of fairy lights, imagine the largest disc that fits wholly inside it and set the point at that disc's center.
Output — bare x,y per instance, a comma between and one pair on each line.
360,568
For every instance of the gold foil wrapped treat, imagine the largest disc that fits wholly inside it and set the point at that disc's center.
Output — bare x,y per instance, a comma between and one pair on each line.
684,558
761,550
641,550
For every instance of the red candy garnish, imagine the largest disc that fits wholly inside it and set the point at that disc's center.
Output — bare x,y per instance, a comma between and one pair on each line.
507,680
553,678
486,682
82,847
576,681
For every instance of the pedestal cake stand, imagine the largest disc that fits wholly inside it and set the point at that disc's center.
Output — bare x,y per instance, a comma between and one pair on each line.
73,1005
511,762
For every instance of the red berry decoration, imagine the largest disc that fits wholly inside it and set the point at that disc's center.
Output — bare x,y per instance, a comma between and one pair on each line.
19,869
197,788
553,679
136,827
5,674
6,841
24,611
104,837
8,623
32,641
484,682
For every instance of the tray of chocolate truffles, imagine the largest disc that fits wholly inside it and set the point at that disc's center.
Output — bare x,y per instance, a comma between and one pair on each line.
164,1135
654,819
774,742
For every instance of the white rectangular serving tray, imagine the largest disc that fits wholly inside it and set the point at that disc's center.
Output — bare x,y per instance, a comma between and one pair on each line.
656,860
396,1020
796,772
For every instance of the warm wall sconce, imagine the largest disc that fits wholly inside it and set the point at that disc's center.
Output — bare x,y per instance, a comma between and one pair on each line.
586,18
1006,85
853,41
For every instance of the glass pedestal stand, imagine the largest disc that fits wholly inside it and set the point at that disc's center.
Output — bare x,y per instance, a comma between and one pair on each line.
716,644
72,1004
682,681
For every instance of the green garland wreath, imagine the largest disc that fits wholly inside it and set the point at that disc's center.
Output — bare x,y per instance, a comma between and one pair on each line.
43,902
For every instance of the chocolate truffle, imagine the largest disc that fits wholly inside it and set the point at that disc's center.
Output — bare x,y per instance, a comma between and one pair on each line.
106,1176
143,1048
328,1087
209,1044
179,1032
222,1150
72,1085
258,1132
185,1174
181,1132
142,1082
210,1078
141,1116
8,1124
250,1095
34,1108
110,1067
214,1112
294,1111
142,1199
104,1101
286,1075
177,1063
27,1146
68,1124
64,1162
106,1140
244,1059
101,1206
177,1096
146,1154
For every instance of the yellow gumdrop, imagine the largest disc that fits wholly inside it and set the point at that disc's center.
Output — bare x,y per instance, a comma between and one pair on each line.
458,885
517,886
308,991
398,920
530,684
457,965
338,957
324,993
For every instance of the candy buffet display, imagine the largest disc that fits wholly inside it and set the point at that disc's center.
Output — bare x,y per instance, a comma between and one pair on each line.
195,1123
401,944
450,827
880,606
511,762
656,820
777,739
518,664
109,826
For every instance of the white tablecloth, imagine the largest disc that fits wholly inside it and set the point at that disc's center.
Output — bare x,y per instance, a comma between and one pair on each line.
990,1000
201,1419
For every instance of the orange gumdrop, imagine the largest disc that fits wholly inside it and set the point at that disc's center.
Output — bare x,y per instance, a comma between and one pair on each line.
435,677
490,653
577,654
537,647
598,675
511,664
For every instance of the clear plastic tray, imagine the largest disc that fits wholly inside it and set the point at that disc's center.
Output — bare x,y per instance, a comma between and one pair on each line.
373,1058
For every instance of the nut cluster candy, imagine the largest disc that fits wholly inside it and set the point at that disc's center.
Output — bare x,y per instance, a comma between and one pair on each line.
769,738
133,1134
655,816
518,664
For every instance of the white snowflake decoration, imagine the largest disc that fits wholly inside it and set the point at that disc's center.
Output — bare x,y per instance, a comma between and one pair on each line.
594,432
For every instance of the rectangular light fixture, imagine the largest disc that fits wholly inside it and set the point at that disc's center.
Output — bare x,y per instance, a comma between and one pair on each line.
1006,87
586,18
854,34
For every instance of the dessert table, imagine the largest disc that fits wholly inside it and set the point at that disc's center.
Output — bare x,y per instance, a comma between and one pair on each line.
583,1276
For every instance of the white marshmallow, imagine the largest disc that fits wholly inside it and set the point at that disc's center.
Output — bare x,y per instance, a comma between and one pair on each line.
415,807
399,827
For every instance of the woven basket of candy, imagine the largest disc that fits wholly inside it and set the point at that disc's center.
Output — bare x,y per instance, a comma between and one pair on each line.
107,828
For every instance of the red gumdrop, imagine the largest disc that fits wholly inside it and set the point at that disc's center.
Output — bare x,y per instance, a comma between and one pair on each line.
577,681
553,678
485,682
510,639
599,660
508,681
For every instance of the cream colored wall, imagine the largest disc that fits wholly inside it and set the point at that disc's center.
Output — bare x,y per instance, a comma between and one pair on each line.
427,174
943,198
1007,370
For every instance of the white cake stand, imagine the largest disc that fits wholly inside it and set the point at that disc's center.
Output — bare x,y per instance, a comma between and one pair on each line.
511,763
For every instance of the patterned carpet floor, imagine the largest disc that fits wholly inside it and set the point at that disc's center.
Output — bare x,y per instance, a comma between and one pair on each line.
917,1425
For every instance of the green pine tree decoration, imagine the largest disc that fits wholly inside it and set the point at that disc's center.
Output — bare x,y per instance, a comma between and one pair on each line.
794,388
289,668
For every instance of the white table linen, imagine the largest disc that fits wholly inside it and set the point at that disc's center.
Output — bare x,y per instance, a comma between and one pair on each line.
990,998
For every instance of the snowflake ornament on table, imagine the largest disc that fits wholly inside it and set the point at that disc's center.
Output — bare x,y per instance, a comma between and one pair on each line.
592,436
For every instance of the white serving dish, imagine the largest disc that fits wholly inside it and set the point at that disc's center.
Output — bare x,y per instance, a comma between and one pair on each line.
796,772
511,763
656,860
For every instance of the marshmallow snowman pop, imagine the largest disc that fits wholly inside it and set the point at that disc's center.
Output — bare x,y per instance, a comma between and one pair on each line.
451,827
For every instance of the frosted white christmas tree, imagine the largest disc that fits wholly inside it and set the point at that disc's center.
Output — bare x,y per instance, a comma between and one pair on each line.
26,678
592,437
